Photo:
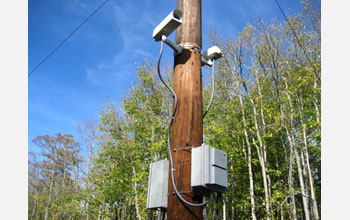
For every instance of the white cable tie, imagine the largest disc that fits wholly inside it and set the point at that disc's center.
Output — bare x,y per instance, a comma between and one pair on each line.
188,45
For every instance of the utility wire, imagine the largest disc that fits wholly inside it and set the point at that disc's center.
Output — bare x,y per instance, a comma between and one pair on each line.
295,35
77,28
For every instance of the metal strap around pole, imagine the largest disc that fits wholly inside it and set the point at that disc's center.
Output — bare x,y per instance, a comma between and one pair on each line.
183,148
183,192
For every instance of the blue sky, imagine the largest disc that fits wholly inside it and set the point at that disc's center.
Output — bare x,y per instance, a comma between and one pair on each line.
101,58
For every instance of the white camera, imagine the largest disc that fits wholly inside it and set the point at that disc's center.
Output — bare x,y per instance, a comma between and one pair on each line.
211,54
168,25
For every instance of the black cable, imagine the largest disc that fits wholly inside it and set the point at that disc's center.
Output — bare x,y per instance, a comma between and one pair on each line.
169,128
213,89
295,35
77,28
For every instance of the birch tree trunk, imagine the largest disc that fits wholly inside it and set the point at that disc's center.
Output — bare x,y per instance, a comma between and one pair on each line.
316,103
308,166
261,152
232,200
36,194
49,196
291,184
205,215
251,181
290,164
261,149
109,212
99,212
35,203
136,197
302,187
300,174
263,145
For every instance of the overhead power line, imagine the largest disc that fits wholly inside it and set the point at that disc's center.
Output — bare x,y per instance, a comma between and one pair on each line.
75,30
295,35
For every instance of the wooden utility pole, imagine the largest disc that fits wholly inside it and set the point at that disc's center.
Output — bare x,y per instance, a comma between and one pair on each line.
187,129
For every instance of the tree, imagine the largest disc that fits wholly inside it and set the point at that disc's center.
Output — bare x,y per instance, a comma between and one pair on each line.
56,174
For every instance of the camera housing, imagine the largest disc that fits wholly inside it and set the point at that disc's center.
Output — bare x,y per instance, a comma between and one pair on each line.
211,54
168,25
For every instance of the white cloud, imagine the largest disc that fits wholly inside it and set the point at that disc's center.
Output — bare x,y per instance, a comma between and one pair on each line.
135,29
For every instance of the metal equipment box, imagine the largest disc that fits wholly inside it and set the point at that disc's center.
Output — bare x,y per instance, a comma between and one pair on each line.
208,170
158,185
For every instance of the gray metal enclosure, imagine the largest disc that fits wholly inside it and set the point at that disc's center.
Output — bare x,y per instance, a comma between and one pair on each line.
158,185
208,169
